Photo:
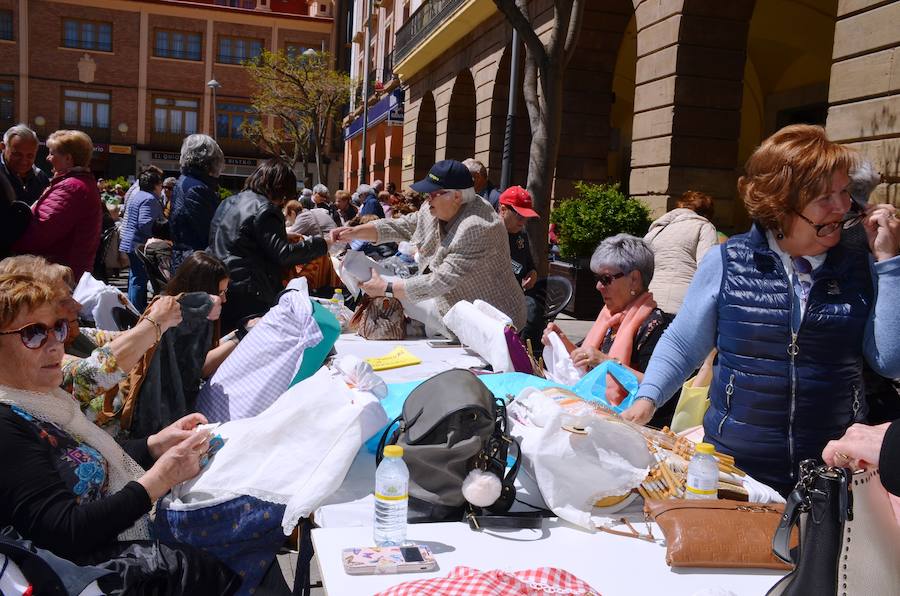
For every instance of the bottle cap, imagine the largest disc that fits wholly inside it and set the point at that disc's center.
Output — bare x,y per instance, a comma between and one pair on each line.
393,451
705,449
339,291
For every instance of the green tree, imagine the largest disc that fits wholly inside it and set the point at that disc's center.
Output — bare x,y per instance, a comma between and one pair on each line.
305,96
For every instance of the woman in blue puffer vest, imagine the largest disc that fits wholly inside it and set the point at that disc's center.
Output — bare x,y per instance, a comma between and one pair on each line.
791,310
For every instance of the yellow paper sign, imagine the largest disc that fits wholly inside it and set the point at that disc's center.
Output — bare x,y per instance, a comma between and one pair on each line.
394,359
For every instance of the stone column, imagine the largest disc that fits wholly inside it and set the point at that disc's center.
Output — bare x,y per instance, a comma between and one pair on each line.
864,96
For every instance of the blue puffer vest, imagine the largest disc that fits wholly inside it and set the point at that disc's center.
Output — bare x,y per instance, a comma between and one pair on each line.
775,401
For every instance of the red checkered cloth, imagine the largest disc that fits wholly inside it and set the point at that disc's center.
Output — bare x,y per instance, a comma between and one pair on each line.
466,581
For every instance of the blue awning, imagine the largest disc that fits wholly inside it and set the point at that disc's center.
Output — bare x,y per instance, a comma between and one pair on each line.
389,108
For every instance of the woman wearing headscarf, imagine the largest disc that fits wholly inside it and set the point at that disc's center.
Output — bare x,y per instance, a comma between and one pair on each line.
791,311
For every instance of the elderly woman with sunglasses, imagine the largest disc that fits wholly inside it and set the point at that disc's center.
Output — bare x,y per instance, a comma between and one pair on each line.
630,324
96,360
67,485
791,311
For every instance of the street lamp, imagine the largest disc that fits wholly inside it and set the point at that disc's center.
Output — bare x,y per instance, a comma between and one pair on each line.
214,84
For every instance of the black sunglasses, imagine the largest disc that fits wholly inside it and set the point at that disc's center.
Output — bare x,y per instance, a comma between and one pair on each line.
853,217
606,279
34,336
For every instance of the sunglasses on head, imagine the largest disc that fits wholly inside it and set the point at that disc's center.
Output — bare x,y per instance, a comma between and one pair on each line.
605,279
34,336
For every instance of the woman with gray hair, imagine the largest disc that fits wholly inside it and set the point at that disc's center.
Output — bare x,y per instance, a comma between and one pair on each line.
630,324
196,195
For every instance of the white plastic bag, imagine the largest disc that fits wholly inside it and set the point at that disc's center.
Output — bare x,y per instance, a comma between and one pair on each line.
99,301
596,458
481,330
558,363
360,373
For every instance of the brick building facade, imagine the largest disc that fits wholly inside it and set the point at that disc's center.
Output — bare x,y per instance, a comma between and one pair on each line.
133,74
662,95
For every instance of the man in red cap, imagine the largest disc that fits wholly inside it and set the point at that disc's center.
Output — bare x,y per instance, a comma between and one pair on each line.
515,210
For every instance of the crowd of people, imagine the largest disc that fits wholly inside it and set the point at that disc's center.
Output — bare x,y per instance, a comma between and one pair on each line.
790,312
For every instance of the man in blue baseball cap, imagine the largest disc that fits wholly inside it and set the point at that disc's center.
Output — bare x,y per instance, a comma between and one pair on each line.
463,250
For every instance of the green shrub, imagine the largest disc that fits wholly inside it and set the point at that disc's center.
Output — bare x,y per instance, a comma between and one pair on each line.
224,193
598,211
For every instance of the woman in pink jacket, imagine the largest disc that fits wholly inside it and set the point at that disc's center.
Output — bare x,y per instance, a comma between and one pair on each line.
65,227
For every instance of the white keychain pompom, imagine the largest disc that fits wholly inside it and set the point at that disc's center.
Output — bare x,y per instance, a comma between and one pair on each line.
481,488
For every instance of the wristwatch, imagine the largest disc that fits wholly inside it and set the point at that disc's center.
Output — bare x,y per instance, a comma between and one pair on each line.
389,289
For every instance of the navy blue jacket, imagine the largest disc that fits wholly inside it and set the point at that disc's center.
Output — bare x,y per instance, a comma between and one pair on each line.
371,206
194,204
777,399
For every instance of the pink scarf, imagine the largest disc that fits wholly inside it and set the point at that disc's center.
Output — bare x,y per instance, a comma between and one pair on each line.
625,324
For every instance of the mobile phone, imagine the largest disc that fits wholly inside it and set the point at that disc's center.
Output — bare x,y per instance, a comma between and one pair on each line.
374,560
444,343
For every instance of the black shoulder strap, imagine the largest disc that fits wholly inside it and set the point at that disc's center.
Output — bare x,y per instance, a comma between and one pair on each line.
379,455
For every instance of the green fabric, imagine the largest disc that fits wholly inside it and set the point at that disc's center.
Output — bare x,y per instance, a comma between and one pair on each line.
314,356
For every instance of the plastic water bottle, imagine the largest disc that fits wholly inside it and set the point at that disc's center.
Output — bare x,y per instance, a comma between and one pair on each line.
334,306
703,474
391,498
339,296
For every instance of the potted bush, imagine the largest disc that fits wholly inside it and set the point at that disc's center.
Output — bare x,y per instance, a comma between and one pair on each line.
596,212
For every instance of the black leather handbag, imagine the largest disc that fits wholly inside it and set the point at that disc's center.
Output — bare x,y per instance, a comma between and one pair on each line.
849,540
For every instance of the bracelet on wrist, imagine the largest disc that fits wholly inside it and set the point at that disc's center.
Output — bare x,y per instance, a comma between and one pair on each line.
156,325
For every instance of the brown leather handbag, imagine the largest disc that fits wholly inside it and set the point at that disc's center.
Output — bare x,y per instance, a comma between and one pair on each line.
380,318
718,533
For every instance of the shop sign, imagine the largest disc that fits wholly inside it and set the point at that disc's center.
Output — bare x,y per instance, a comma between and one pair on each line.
165,156
120,149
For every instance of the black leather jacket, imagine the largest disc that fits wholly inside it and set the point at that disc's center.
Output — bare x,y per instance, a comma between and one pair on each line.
248,233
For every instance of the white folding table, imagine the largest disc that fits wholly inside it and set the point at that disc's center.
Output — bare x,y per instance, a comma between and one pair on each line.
613,565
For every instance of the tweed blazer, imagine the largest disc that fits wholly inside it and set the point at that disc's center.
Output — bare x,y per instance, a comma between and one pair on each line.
466,258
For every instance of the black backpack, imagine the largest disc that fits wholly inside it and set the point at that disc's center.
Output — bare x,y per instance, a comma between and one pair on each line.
450,425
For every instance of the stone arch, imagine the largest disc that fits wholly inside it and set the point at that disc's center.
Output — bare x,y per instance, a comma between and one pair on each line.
460,141
588,98
521,127
786,75
688,95
426,137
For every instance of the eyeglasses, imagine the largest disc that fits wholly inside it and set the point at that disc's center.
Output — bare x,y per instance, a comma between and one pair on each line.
34,336
606,279
853,217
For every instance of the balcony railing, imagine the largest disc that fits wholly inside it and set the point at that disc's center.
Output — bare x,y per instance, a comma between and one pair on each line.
421,24
378,78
